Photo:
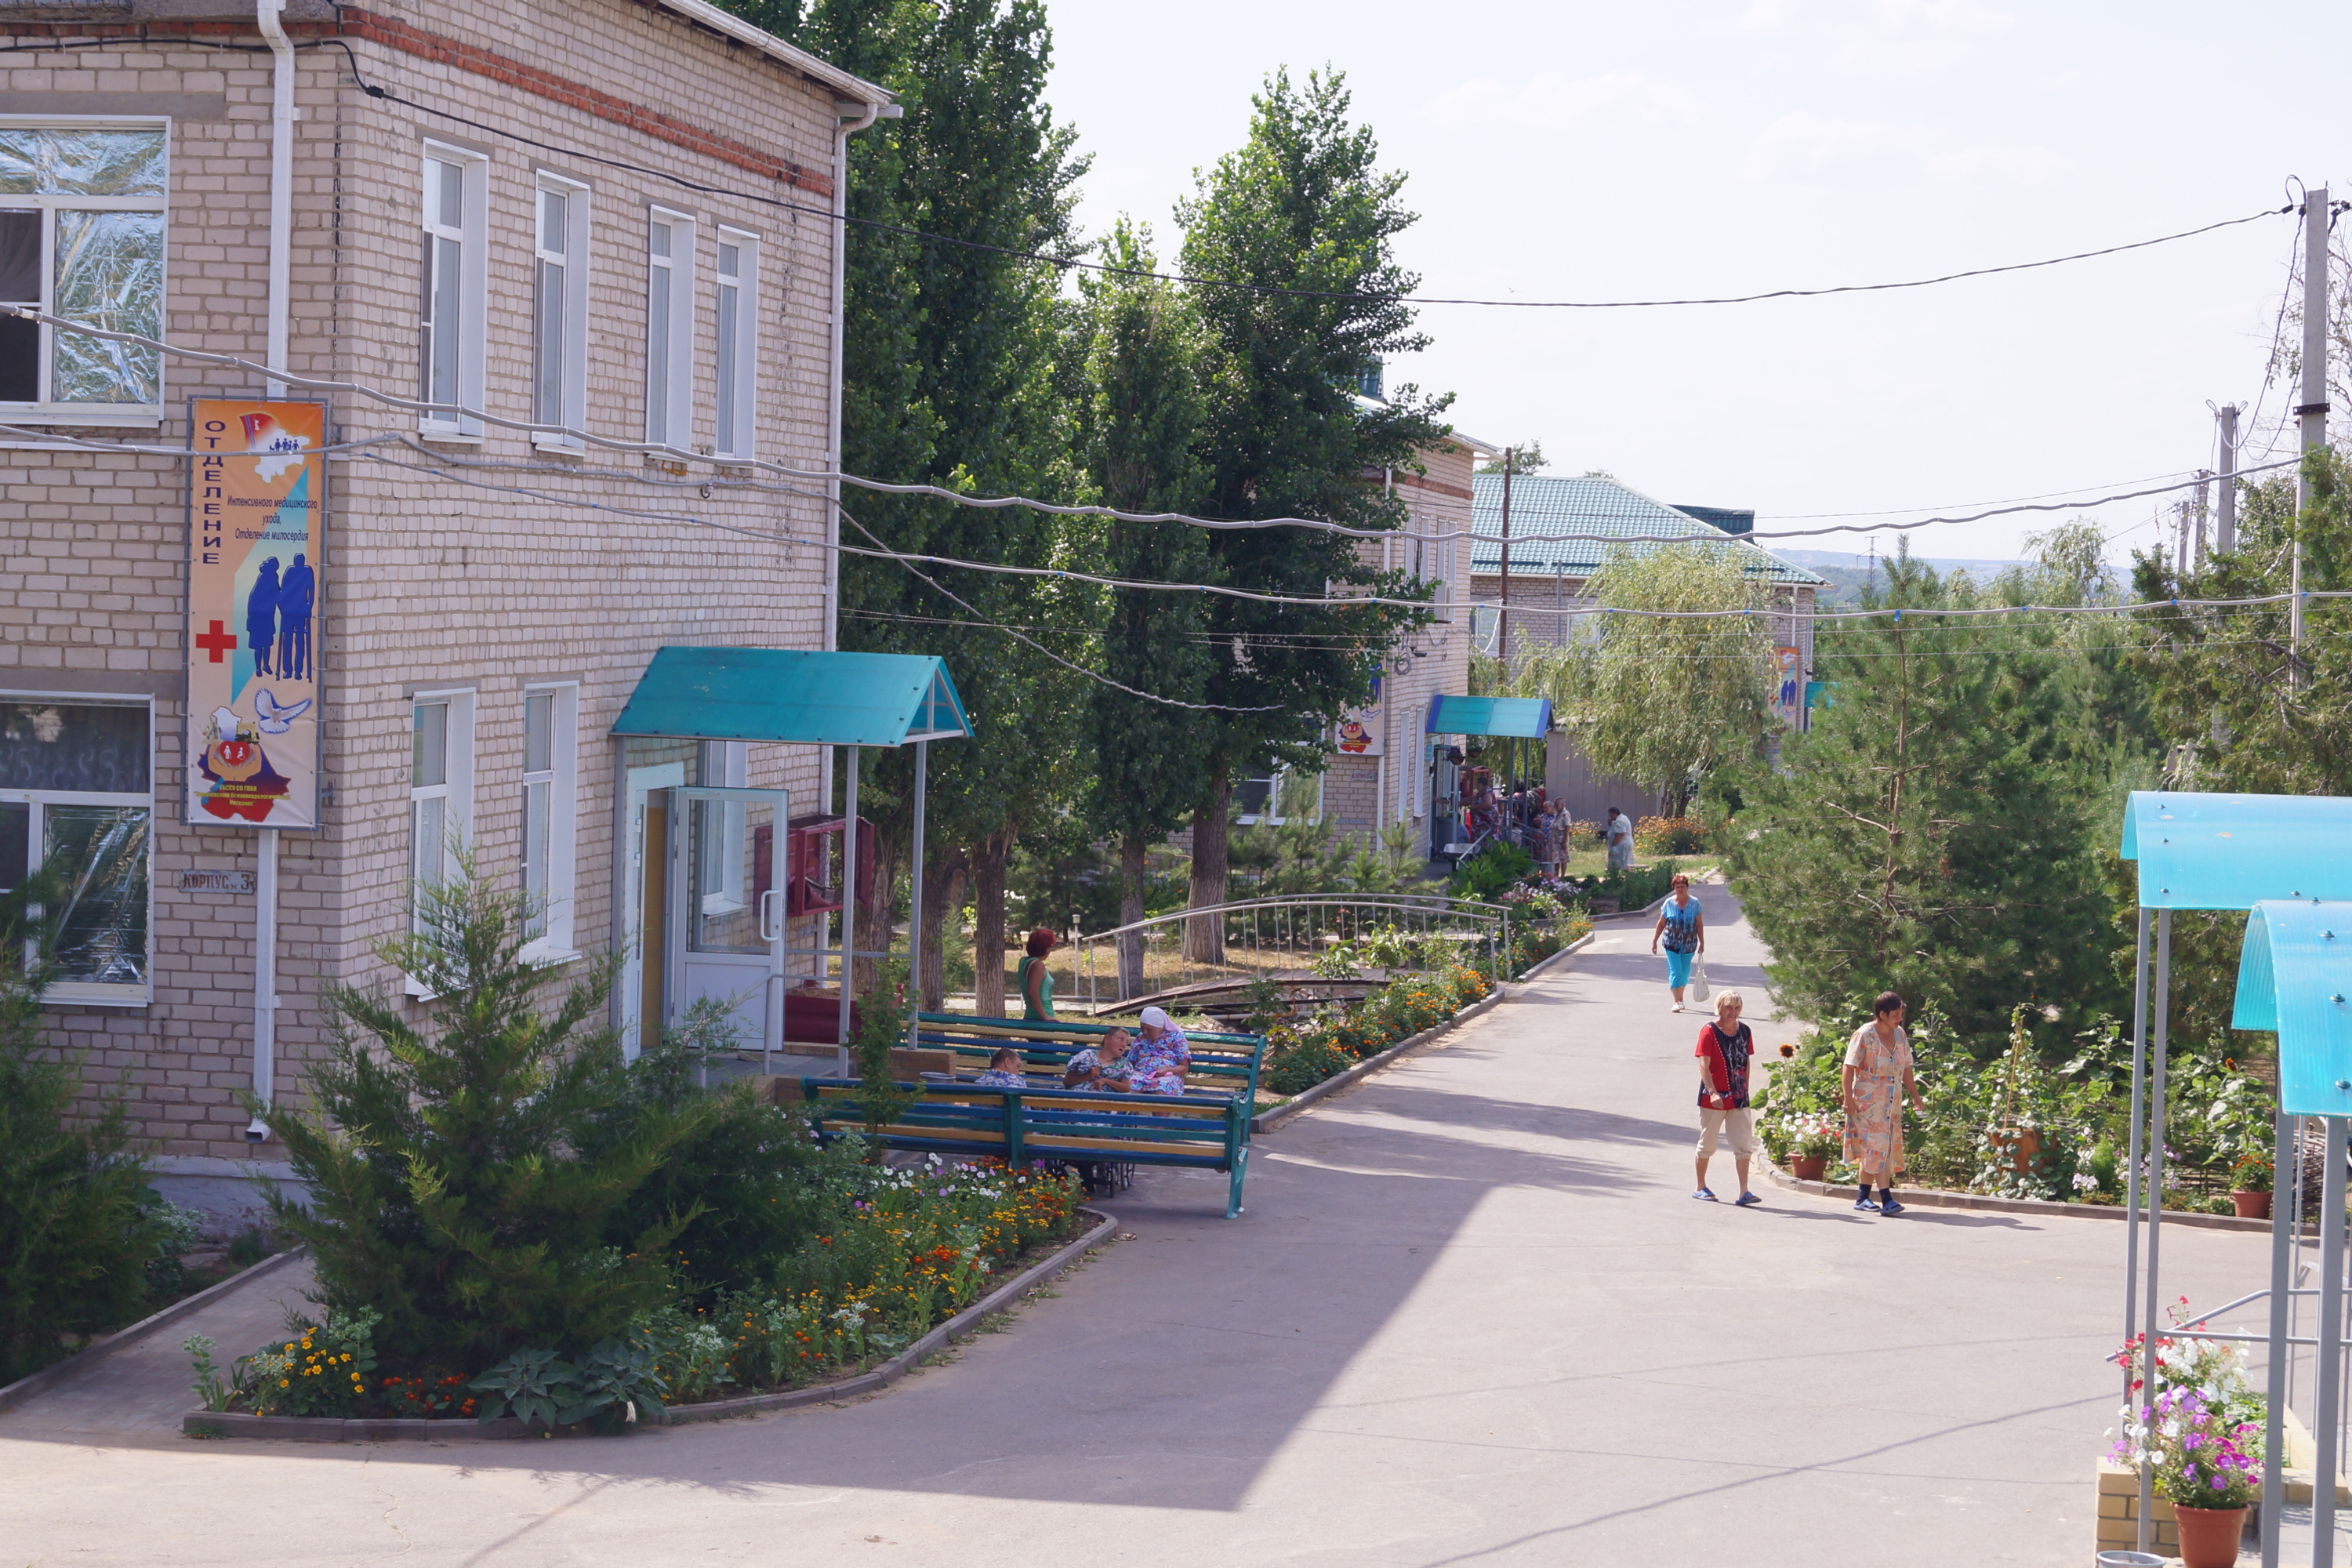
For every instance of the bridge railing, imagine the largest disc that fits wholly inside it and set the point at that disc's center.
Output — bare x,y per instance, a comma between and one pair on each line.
1295,941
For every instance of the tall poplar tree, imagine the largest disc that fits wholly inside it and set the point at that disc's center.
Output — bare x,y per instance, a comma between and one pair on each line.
1289,243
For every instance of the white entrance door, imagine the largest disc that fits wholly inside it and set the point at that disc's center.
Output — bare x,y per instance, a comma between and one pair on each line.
643,901
726,936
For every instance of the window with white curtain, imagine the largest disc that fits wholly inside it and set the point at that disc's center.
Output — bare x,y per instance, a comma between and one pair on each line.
82,237
736,347
451,308
559,317
670,330
549,815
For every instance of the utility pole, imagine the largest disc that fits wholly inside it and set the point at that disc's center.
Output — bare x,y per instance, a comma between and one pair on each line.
1502,616
2313,411
2225,523
2180,539
2204,495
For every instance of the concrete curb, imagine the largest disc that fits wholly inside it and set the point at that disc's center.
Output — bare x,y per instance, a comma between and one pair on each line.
1932,1198
329,1429
26,1387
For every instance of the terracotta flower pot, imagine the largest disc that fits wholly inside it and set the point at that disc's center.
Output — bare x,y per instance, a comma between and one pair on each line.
1808,1167
2251,1205
2208,1536
2023,1144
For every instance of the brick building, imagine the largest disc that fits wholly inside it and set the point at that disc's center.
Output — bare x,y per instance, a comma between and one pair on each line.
606,216
1547,597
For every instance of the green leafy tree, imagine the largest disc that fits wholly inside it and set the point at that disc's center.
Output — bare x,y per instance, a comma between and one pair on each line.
462,1175
1139,420
78,1224
1302,206
1928,835
1663,701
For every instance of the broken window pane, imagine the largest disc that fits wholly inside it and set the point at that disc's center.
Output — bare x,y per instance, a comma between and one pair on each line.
102,929
58,161
109,275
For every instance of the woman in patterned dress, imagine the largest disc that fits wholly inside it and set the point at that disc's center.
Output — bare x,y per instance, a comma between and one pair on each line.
1877,1081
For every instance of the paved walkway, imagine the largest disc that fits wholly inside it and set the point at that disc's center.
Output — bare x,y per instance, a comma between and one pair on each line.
1471,1318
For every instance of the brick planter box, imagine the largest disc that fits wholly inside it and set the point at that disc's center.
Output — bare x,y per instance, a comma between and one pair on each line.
2119,1514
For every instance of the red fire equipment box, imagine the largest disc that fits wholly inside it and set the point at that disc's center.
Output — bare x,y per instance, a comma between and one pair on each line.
812,862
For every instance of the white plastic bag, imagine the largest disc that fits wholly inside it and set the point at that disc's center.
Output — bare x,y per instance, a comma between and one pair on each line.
1698,991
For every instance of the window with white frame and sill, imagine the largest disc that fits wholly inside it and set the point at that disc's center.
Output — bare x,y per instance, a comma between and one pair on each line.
81,238
670,330
1276,798
440,790
551,818
736,351
451,308
559,317
76,800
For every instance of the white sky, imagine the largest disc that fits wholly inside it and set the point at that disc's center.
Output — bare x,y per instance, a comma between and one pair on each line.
1585,150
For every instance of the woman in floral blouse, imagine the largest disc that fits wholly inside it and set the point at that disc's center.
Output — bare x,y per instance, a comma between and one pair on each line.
1162,1056
1878,1078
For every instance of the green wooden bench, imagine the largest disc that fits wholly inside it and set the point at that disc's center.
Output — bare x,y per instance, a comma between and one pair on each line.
1222,1062
1207,1131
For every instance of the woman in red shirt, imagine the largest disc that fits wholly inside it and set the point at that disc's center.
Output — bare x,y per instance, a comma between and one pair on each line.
1726,1046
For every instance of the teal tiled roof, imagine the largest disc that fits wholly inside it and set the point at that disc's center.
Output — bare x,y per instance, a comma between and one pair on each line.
1593,503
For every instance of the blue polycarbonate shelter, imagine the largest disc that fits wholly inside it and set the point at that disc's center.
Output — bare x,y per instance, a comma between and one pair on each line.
809,698
2198,851
1519,718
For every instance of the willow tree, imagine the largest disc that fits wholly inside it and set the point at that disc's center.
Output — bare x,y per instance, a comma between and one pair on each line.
1662,700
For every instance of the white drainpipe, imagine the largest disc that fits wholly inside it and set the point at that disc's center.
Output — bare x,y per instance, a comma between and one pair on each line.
281,243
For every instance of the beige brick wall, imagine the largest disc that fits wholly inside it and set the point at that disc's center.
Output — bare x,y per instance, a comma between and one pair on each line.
428,583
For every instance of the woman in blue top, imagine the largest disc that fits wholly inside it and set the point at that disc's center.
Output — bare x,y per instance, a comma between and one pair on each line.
1683,929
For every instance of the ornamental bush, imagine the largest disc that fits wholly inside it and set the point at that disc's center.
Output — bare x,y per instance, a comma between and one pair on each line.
465,1175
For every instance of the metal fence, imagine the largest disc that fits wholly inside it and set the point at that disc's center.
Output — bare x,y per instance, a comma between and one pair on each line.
1322,948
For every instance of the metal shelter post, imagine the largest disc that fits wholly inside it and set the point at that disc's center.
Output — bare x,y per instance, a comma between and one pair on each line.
2282,1330
2138,1112
915,896
2155,1205
2326,1409
848,905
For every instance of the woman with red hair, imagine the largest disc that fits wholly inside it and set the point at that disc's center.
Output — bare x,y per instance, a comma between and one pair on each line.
1037,980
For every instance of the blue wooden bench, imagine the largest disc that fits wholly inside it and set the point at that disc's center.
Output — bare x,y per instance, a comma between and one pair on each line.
1196,1131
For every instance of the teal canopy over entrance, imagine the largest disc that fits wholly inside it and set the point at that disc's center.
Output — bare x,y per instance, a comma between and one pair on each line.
807,699
2295,972
2232,851
1523,718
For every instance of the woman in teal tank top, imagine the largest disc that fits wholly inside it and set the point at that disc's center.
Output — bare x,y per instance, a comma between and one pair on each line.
1037,980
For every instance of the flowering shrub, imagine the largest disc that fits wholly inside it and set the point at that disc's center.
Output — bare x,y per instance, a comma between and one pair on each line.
1813,1135
1669,836
1301,1055
2251,1174
323,1371
2200,1455
2214,1370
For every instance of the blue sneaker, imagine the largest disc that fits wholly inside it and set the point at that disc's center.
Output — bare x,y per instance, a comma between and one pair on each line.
1703,1195
1864,1205
1891,1205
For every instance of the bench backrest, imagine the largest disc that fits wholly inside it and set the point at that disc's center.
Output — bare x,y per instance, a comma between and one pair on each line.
1222,1062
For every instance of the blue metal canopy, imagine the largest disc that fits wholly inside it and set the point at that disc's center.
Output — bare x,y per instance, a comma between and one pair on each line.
1528,718
780,694
2295,972
2232,851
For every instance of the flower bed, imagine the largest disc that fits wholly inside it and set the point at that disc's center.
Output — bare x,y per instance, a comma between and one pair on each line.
1302,1053
908,1248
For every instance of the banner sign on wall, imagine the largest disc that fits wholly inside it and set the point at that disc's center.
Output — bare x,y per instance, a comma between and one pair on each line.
1359,734
256,495
1788,694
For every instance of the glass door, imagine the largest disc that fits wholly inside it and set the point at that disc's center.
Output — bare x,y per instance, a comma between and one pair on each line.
725,909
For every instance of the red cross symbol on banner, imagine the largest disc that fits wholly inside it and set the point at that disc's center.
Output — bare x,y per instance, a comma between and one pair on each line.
216,642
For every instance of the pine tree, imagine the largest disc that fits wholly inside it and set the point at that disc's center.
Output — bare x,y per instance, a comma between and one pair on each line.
462,1175
1933,834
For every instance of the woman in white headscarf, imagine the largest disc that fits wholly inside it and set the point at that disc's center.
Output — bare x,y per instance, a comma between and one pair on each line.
1161,1054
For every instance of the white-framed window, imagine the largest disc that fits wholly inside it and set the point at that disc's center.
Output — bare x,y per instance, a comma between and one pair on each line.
440,786
75,794
1279,797
82,210
669,329
736,356
550,815
722,853
452,300
559,309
